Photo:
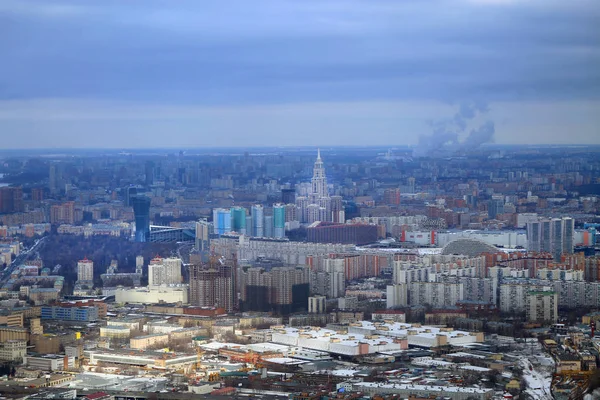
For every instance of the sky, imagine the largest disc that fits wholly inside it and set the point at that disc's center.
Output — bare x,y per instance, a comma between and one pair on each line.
214,73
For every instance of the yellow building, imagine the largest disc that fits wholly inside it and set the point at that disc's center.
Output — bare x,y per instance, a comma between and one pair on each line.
15,319
513,385
144,342
115,332
13,333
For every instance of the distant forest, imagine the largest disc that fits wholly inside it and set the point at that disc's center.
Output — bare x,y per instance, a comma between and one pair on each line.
66,250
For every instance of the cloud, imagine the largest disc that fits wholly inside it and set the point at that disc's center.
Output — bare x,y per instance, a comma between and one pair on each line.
274,51
175,57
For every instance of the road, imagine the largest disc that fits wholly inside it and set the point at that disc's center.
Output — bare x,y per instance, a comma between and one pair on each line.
19,260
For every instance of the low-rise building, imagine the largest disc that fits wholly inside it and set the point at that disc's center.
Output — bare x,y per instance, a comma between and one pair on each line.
150,359
417,335
115,332
13,350
389,315
337,343
13,333
146,341
48,362
423,391
69,313
153,294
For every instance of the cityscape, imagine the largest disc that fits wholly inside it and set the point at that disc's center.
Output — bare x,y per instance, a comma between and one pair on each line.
300,273
300,200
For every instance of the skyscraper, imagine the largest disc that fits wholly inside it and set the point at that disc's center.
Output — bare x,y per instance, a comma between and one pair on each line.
238,220
279,220
149,171
141,211
221,221
258,218
317,205
319,180
551,235
288,196
130,191
203,230
495,207
11,199
337,209
269,227
212,285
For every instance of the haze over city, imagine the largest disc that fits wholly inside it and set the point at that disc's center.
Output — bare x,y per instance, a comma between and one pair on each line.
191,74
299,199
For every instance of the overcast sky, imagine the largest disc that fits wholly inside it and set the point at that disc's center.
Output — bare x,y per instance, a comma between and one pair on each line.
147,73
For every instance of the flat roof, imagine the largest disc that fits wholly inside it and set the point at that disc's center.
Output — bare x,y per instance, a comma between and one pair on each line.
325,335
400,328
425,388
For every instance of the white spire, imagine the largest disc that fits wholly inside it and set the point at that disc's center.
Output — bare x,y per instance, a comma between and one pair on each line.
318,154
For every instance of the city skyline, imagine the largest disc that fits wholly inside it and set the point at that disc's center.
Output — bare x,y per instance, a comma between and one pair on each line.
283,73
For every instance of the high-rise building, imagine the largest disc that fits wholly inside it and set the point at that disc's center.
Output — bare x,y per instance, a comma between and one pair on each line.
164,271
130,192
316,305
282,289
203,230
435,294
391,197
11,199
319,180
317,206
302,208
149,171
55,178
269,226
279,219
221,221
139,264
37,194
337,209
63,213
238,220
329,232
288,196
291,213
249,225
336,273
542,306
397,295
85,270
141,211
551,235
212,285
495,207
258,220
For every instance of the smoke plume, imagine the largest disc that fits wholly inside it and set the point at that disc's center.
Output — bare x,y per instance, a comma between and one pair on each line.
444,140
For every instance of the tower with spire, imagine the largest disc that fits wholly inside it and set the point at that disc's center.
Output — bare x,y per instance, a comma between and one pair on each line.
317,205
319,180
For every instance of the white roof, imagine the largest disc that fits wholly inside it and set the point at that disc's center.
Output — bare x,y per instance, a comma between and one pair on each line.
399,328
428,388
326,335
474,368
285,360
262,347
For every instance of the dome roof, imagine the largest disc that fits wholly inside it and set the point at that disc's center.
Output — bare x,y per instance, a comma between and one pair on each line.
469,247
